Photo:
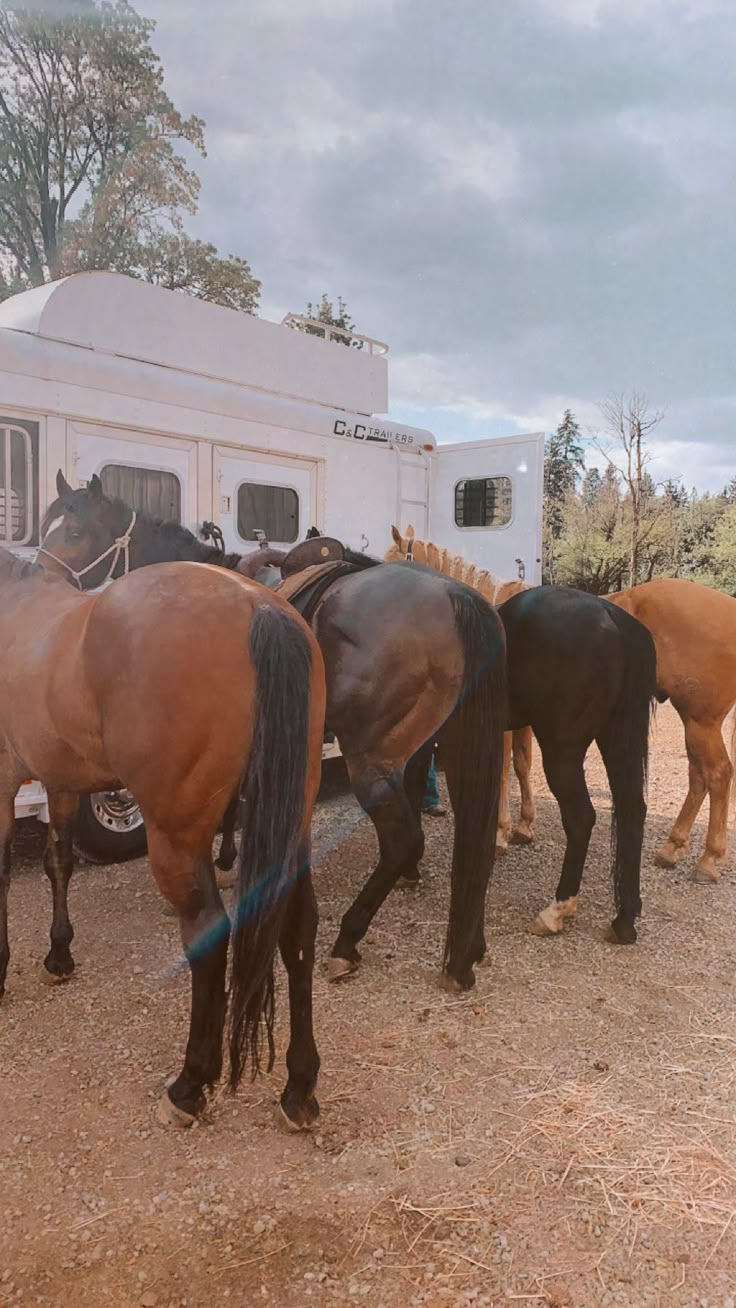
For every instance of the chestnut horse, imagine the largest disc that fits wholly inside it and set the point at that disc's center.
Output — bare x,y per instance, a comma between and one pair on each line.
694,630
410,658
517,744
577,673
120,689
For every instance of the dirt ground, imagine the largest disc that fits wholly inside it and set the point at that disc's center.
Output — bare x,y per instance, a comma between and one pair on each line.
564,1135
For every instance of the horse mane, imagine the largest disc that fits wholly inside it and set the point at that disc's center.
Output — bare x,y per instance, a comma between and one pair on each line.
171,533
460,569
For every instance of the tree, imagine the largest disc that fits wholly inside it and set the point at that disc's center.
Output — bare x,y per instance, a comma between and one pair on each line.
630,422
337,317
563,463
90,173
591,488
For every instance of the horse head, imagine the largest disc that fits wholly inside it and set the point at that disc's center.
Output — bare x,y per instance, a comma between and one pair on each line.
85,535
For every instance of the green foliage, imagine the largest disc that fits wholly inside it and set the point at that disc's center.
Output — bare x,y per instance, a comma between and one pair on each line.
332,316
92,173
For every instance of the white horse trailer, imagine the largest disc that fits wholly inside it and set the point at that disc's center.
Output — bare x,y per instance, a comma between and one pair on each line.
193,412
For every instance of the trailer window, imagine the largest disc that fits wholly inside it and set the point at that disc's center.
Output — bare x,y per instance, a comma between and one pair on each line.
483,502
148,490
18,482
274,510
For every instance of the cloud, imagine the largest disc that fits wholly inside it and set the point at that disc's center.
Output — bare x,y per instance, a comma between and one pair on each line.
530,202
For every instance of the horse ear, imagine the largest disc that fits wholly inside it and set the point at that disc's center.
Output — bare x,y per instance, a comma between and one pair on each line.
396,535
62,485
95,488
410,532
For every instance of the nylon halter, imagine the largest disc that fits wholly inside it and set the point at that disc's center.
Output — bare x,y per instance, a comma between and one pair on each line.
119,546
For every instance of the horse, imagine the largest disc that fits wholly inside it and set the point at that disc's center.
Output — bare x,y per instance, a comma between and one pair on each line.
517,744
118,689
579,670
694,631
411,658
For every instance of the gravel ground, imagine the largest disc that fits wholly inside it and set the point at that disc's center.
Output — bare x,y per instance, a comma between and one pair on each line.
565,1135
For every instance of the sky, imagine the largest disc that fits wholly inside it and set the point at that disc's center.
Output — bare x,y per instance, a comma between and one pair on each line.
532,201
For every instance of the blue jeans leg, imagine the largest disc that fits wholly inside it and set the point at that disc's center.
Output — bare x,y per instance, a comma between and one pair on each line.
432,794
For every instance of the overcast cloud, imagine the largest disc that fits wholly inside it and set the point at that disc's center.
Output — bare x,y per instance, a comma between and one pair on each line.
532,202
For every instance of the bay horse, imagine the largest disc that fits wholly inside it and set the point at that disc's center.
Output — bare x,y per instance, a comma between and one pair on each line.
410,658
119,689
694,631
577,673
518,743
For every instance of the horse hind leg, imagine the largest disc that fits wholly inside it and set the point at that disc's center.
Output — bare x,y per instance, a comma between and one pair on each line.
400,843
225,861
58,864
296,943
565,775
523,832
415,786
677,843
185,876
7,820
504,828
718,772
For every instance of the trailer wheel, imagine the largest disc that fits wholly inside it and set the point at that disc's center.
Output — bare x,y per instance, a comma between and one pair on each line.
109,828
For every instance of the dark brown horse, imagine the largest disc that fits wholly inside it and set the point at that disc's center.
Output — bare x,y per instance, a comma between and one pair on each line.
410,657
121,689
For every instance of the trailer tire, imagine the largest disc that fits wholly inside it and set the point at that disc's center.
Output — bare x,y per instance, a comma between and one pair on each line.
109,828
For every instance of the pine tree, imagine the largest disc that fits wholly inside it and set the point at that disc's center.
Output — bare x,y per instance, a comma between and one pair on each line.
563,464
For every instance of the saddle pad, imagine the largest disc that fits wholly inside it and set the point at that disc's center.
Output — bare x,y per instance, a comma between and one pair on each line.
305,589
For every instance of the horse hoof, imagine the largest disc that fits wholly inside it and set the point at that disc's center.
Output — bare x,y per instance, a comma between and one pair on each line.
541,928
225,880
408,883
169,1115
621,935
167,909
52,978
669,856
449,984
338,969
501,851
521,838
704,876
304,1117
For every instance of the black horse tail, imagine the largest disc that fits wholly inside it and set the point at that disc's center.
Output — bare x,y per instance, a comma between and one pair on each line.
625,753
471,748
272,817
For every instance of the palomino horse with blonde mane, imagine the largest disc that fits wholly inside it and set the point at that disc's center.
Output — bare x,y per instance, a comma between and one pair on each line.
576,674
517,744
694,630
119,689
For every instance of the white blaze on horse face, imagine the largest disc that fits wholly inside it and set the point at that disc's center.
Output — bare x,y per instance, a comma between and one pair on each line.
52,527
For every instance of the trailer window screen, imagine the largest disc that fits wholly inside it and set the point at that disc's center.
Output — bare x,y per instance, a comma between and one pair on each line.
274,510
147,490
483,502
18,482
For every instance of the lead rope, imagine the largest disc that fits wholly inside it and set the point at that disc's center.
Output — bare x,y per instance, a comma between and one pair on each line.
118,547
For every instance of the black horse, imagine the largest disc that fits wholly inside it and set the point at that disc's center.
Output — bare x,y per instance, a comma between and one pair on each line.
411,658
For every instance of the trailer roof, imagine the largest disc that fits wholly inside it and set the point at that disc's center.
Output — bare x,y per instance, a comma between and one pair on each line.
115,315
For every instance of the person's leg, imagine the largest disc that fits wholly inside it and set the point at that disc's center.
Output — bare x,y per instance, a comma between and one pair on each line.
432,802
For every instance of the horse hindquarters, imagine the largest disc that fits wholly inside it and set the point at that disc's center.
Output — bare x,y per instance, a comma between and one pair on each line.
624,746
472,749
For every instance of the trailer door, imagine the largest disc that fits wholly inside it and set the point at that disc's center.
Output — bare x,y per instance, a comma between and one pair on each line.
272,494
154,474
486,504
